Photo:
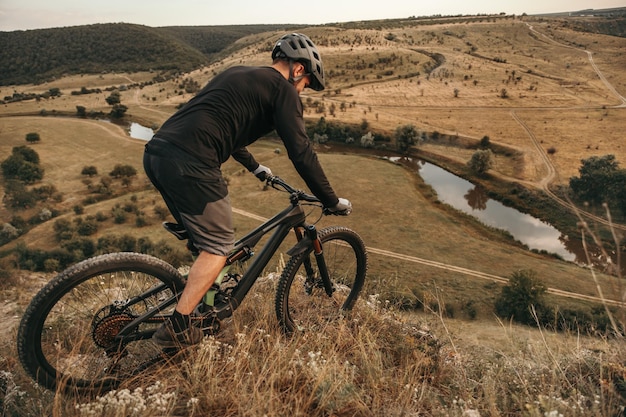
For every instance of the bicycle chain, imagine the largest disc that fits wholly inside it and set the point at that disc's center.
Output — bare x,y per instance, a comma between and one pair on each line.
104,331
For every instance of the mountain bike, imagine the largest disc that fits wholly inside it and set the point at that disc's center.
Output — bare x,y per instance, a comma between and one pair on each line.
90,327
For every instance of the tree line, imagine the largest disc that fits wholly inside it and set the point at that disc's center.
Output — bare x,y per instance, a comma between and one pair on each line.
35,56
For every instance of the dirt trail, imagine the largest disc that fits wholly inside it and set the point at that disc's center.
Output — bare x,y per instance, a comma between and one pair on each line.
545,182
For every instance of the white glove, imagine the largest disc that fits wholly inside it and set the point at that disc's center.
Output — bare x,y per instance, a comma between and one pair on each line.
343,208
262,172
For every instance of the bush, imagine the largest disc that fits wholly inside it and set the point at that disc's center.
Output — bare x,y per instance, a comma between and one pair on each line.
90,171
120,171
481,162
87,227
63,229
517,299
32,137
82,248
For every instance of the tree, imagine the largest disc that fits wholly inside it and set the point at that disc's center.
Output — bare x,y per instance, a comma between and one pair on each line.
22,165
30,173
19,163
524,291
118,111
17,196
81,111
89,170
120,171
11,166
26,153
481,161
406,136
113,98
32,137
595,178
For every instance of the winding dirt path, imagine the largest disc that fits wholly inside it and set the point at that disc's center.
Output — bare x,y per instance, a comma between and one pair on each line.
545,182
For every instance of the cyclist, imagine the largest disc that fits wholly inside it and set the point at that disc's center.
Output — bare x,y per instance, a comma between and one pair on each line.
183,160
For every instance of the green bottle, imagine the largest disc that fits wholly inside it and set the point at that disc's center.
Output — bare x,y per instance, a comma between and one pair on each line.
209,297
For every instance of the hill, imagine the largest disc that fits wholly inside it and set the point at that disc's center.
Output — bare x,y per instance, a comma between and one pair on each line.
35,56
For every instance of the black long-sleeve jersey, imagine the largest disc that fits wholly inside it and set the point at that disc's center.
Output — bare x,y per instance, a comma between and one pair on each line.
236,108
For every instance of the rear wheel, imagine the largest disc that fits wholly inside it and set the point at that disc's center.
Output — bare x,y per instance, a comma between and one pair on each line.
67,336
302,303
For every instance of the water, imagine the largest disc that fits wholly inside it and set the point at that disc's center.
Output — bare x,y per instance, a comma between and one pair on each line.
465,196
138,131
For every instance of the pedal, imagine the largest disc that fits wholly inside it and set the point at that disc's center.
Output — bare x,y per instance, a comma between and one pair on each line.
211,326
207,322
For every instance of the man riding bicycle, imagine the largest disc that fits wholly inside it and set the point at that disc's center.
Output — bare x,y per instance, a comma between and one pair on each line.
184,157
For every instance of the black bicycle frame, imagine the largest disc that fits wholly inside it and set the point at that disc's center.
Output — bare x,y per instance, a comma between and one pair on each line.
293,217
283,222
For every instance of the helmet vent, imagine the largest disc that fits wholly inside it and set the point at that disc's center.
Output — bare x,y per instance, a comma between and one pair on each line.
298,47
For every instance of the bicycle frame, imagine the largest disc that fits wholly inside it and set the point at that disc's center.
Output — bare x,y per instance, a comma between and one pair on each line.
291,218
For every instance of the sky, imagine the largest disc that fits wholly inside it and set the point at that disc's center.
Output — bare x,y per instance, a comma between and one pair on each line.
39,14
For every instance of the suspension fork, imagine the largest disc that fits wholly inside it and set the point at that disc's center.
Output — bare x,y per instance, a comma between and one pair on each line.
311,233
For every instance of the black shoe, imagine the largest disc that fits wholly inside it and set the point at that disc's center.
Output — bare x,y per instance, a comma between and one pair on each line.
166,338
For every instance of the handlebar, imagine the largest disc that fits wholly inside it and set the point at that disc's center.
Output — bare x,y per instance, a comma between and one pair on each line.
278,183
299,195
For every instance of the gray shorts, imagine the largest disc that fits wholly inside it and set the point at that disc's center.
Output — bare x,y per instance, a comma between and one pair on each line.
195,193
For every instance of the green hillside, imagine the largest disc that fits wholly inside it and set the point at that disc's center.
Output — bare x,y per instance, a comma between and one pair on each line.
211,40
41,55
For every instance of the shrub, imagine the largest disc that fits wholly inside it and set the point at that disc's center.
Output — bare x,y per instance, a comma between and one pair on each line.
32,137
481,161
140,220
517,299
120,171
161,212
63,229
87,227
90,171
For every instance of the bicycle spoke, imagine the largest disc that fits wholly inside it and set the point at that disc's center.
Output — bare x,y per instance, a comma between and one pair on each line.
302,302
69,334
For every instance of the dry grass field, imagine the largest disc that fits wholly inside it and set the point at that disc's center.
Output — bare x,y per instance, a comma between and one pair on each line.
556,96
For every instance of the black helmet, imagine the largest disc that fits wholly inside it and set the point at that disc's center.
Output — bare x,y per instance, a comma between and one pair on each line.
298,47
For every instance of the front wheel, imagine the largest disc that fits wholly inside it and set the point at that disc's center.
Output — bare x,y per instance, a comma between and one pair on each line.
68,336
302,302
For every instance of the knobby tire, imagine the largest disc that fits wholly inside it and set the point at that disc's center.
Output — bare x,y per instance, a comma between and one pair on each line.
302,303
63,332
